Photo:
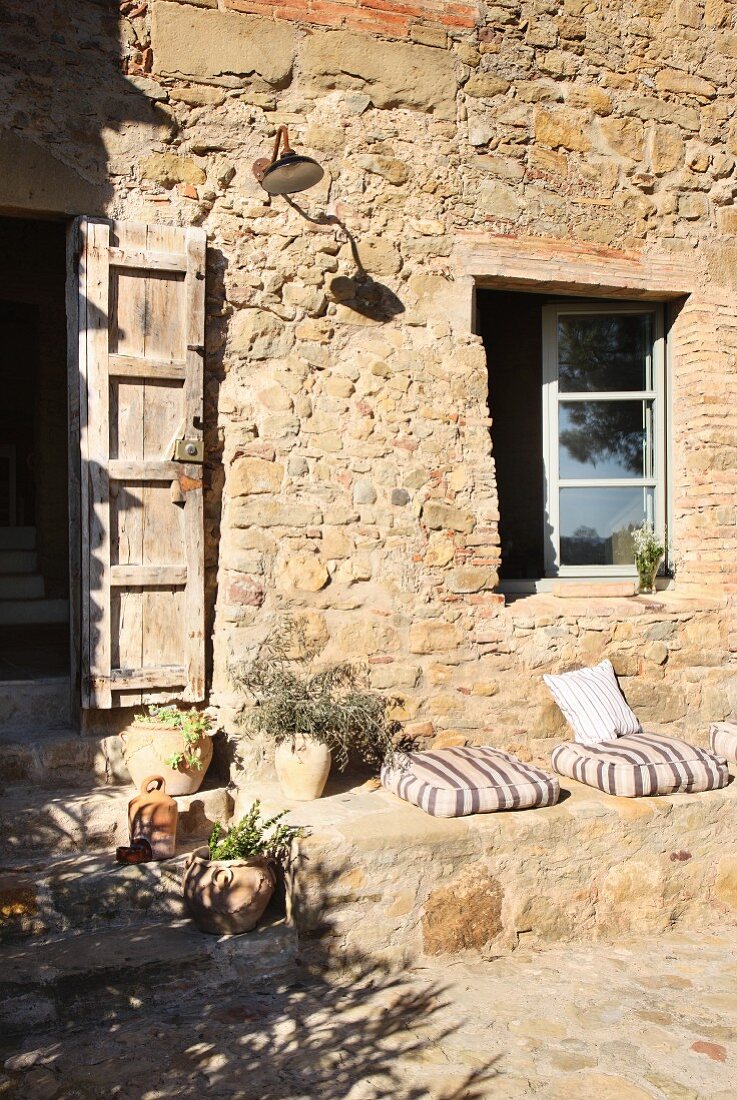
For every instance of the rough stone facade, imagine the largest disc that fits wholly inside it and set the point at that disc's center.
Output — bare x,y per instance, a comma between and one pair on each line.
561,144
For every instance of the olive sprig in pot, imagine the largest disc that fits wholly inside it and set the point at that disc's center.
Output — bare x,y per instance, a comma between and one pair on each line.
314,714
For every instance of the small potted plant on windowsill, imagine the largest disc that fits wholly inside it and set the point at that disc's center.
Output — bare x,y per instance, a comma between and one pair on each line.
649,552
175,744
228,884
315,716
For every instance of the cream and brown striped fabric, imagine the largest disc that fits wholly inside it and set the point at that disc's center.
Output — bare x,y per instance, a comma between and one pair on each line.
593,704
641,764
723,739
458,781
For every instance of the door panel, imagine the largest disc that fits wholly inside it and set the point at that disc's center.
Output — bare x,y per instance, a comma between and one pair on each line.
141,346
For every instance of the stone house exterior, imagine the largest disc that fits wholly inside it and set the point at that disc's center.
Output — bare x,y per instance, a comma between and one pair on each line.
375,348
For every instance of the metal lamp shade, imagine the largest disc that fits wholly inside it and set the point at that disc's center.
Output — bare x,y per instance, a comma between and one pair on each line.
291,173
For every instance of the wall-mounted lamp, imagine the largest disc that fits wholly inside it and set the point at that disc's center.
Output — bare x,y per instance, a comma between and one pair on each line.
288,173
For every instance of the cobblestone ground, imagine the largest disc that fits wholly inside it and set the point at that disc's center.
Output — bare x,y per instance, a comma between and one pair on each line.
648,1018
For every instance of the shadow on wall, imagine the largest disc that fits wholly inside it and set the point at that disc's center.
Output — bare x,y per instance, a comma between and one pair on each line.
69,117
359,292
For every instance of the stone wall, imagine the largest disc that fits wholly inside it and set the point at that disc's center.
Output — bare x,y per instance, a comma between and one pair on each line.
350,477
377,878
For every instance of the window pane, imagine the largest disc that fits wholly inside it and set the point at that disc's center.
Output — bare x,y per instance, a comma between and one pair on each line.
604,351
605,439
596,524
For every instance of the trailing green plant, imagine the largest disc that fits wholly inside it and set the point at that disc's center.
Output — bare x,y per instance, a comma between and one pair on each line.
192,724
330,704
254,836
649,549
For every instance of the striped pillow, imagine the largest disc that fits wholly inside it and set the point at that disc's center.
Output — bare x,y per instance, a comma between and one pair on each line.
469,779
643,764
723,739
592,703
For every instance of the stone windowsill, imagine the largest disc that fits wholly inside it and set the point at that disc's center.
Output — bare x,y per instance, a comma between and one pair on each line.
593,599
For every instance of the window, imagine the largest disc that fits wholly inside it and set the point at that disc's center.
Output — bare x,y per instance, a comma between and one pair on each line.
604,434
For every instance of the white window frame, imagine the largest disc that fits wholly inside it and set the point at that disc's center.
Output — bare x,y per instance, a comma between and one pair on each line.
551,397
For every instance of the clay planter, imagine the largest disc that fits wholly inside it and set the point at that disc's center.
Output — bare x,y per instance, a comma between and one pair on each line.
303,767
153,815
147,747
227,896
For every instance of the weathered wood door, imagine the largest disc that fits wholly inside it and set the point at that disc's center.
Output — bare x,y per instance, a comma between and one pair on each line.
140,321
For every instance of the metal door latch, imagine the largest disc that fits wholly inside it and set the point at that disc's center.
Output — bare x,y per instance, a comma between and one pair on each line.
189,450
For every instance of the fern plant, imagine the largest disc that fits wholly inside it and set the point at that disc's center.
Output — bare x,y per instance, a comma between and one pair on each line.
193,726
330,705
254,836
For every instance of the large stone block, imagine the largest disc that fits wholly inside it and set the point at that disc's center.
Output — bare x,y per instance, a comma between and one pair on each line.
220,47
394,74
34,179
440,516
432,637
260,335
169,169
305,572
260,513
725,887
254,475
466,913
562,129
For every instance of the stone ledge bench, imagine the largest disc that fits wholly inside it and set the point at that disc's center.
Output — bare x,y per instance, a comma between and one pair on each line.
377,879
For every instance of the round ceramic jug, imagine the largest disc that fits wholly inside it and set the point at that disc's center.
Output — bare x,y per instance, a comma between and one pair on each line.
303,767
146,749
227,896
153,815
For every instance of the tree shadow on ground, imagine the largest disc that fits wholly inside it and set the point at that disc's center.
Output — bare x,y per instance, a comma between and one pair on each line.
370,1035
330,1025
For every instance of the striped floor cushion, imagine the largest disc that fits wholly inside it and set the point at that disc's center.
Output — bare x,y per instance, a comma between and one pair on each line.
458,781
723,739
640,764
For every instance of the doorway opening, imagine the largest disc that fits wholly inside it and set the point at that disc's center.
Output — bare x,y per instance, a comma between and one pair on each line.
34,505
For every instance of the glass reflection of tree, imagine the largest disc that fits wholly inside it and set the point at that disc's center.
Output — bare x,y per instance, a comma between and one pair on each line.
602,430
599,354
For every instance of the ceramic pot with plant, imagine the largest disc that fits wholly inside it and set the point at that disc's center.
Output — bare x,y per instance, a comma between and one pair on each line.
314,715
649,552
228,884
172,743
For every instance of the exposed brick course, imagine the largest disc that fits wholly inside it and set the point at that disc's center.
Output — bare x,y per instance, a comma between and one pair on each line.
392,18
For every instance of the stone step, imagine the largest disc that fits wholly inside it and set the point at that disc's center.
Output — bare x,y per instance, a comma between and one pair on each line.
61,758
30,706
108,975
33,820
17,538
21,612
21,586
18,561
78,893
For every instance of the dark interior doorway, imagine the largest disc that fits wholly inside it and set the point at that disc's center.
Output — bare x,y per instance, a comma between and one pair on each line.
510,324
34,509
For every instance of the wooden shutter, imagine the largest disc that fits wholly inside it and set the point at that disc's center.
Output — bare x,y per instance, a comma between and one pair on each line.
141,346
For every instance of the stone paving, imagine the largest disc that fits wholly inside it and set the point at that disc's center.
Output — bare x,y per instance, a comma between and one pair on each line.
648,1018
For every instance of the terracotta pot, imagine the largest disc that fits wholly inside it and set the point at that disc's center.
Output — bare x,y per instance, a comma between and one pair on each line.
303,767
227,896
146,748
153,815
